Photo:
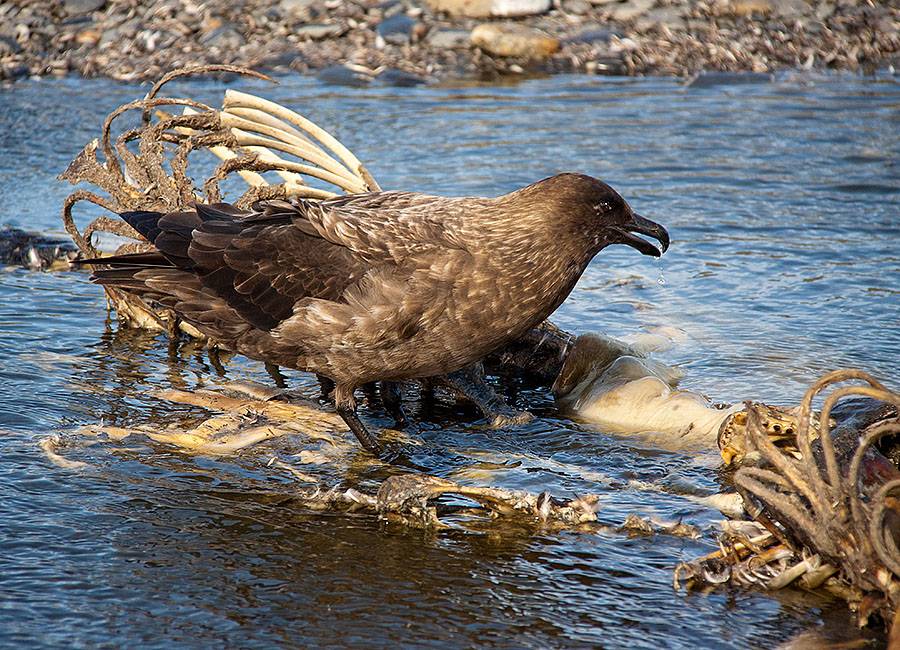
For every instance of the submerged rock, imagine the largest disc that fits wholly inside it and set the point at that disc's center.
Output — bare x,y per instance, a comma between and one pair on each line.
710,79
34,251
341,75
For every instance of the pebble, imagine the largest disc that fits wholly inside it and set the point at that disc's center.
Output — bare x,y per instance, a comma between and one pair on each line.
300,10
448,39
669,17
81,6
142,39
576,7
513,39
630,9
225,38
490,8
319,31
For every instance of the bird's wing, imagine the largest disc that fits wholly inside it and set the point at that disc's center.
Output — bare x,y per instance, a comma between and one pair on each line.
386,227
262,265
259,265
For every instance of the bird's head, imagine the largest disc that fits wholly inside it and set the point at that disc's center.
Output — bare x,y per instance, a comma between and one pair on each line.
603,217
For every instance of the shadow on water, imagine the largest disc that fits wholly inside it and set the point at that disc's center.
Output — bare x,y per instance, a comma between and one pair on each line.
783,265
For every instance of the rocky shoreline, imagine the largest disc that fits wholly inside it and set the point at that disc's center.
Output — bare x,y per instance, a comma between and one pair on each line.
404,42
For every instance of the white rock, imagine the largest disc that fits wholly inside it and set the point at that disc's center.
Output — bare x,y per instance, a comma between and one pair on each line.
490,8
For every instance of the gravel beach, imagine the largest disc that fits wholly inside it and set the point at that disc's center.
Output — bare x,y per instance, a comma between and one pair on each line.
404,42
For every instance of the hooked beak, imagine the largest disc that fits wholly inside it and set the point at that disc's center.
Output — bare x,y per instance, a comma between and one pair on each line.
640,225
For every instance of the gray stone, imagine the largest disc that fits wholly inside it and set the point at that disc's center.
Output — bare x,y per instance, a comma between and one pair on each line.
226,37
631,9
319,31
300,10
448,39
669,17
72,7
399,29
576,7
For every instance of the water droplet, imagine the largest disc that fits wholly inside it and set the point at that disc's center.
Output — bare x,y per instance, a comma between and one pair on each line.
662,277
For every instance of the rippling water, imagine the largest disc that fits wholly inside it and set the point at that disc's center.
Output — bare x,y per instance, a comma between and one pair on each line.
782,203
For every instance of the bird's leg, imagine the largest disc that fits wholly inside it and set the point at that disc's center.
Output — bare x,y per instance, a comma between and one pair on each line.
345,405
326,384
391,395
470,383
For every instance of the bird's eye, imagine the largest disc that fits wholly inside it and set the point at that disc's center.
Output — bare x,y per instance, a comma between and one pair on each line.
603,206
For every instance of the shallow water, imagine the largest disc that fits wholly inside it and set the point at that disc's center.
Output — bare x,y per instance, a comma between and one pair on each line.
782,203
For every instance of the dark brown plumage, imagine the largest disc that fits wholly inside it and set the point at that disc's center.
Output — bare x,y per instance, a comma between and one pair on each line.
384,286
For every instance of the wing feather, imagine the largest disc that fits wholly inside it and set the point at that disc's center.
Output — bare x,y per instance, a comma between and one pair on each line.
261,264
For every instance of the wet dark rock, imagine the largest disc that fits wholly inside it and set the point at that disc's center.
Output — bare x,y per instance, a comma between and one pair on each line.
592,36
9,45
319,31
399,78
280,60
399,29
76,20
340,75
34,251
710,79
13,72
611,64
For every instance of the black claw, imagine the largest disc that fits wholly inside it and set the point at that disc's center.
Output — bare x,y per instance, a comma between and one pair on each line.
470,383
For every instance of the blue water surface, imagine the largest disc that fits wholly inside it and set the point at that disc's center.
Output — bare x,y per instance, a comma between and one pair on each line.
783,205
